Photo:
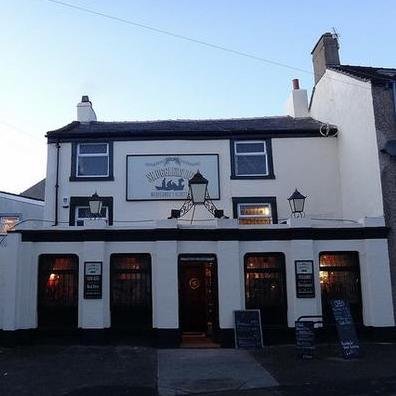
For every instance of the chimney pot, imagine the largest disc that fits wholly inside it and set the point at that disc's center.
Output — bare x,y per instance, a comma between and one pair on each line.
85,98
296,83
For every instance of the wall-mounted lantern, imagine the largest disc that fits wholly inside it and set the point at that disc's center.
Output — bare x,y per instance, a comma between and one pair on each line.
95,205
197,195
297,202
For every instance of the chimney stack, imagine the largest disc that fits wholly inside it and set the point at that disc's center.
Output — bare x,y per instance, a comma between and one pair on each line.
325,54
297,104
85,112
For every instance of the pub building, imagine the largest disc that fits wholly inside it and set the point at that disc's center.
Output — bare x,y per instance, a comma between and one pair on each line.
164,228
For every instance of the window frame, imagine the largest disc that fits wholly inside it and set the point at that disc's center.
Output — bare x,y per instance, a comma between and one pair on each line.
268,155
78,202
6,215
106,217
271,201
75,157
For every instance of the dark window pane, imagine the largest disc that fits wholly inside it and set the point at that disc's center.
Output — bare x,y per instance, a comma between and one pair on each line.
339,260
263,262
93,148
93,166
251,165
257,147
85,213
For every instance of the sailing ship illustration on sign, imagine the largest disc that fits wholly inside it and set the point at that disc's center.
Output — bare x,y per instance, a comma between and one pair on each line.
170,185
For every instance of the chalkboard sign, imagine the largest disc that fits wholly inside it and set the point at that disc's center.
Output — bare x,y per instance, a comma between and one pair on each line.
305,339
305,283
346,329
92,280
248,334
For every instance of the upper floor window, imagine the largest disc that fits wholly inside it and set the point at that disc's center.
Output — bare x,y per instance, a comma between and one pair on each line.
255,210
7,223
79,210
251,159
92,161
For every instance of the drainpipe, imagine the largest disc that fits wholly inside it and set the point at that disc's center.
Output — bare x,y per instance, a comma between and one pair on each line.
57,184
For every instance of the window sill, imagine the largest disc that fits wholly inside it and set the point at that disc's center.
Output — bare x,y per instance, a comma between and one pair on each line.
91,178
235,177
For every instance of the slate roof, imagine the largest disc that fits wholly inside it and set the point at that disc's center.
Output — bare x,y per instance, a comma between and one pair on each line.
37,191
378,75
204,128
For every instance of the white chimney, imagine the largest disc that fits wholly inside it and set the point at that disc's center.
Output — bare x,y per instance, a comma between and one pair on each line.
85,112
297,104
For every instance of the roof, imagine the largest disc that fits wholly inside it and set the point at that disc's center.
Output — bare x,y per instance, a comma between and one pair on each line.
171,129
37,191
378,75
17,197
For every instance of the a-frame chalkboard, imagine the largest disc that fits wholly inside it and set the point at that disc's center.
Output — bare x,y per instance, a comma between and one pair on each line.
248,334
346,329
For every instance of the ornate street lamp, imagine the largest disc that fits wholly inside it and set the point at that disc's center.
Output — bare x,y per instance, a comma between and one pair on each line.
297,202
95,205
197,195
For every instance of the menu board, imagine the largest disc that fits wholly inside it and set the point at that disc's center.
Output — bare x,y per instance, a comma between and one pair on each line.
305,339
305,282
346,329
93,280
248,334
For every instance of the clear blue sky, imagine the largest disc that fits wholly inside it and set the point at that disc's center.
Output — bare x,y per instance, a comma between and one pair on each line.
51,55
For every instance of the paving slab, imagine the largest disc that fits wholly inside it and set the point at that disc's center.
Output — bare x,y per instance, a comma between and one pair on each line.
189,371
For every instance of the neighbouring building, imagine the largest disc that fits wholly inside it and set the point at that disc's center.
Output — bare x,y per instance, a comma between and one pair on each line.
16,208
361,101
138,268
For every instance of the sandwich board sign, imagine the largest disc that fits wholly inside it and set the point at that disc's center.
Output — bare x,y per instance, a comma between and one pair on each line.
248,332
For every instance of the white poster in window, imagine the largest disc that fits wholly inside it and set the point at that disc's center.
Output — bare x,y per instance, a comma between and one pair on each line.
165,177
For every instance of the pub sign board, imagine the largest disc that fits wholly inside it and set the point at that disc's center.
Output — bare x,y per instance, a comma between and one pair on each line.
248,332
305,282
166,176
92,280
345,328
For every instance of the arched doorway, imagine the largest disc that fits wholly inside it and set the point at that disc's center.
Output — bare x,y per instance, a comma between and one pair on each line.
265,287
340,279
130,292
57,305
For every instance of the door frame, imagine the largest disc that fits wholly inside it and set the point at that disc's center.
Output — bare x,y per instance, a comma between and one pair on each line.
75,259
184,259
281,270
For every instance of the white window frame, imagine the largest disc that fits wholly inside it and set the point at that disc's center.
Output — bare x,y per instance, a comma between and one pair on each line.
265,153
78,155
76,219
241,216
5,216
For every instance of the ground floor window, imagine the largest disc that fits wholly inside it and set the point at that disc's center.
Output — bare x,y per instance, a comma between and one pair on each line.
265,287
340,278
57,291
130,291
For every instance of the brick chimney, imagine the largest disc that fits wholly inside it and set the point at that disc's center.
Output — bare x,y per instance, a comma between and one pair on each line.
325,54
85,112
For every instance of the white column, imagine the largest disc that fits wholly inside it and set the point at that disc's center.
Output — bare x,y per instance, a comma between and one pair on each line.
9,255
230,282
376,284
165,286
300,250
91,313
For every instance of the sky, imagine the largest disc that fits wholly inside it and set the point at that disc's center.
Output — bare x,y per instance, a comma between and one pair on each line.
51,55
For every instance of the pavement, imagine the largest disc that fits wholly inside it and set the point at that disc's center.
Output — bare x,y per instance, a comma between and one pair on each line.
189,371
77,370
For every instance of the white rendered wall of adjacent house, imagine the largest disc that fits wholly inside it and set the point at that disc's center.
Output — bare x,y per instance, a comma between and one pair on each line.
24,208
309,164
347,102
18,277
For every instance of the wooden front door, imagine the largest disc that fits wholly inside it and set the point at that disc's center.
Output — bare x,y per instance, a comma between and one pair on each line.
192,298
